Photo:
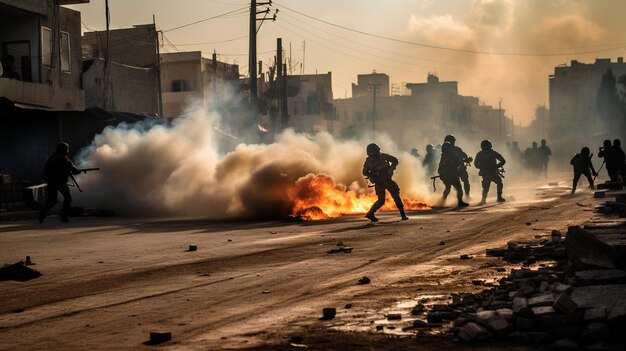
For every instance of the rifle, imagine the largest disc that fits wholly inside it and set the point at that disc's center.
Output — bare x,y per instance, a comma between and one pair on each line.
500,172
434,182
599,169
76,183
85,170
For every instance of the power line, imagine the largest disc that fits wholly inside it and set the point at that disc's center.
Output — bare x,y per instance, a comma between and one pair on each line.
467,51
206,19
214,42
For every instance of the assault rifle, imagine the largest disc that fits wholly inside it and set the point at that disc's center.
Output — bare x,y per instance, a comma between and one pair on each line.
84,170
501,172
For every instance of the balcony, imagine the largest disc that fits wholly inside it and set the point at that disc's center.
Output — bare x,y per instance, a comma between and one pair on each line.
42,95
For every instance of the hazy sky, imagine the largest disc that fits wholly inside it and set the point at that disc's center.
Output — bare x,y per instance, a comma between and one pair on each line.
573,29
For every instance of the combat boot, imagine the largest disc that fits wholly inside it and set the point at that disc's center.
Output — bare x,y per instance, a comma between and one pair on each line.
462,204
403,215
371,217
501,199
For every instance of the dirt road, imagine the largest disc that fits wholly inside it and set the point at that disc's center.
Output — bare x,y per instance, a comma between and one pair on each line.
108,282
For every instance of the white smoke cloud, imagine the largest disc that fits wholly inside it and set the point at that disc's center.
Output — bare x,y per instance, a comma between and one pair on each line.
175,170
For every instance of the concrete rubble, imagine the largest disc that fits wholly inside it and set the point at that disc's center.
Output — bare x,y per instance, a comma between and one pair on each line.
577,301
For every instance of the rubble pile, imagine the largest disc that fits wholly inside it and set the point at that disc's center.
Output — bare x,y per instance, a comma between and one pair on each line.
562,305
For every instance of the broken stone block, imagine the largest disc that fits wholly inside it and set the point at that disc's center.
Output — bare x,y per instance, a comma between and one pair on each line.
505,313
364,280
495,252
499,326
520,307
562,288
160,337
596,332
329,312
542,300
193,248
600,277
476,332
595,314
543,311
464,336
394,316
565,304
418,323
559,320
544,286
524,291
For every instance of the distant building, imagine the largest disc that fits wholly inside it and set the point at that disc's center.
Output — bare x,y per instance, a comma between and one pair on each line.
366,83
433,110
130,82
40,49
310,102
573,92
188,77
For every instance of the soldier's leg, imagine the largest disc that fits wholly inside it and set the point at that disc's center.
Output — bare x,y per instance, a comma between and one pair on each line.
486,183
394,190
499,186
577,175
380,193
51,200
446,191
466,183
67,201
589,178
459,192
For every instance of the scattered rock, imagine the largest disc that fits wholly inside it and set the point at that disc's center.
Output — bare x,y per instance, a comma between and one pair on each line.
394,316
193,248
466,257
159,337
348,306
364,280
442,243
18,271
329,312
418,309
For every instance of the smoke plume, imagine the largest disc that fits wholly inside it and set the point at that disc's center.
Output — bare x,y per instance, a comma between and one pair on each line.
175,169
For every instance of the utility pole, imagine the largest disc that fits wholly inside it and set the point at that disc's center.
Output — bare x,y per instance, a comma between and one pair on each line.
279,81
158,69
252,56
214,80
284,114
252,60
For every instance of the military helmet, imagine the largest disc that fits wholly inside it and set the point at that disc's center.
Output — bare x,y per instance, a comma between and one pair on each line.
543,141
373,149
584,151
617,142
429,147
63,148
485,145
534,144
606,144
450,139
446,147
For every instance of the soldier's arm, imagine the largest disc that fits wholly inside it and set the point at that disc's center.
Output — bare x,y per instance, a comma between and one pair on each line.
392,160
500,159
365,169
71,167
477,160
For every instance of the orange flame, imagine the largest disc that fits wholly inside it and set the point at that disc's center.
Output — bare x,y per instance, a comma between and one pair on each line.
317,196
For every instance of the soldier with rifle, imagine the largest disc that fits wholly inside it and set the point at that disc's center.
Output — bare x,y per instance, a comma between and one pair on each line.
583,165
466,161
57,170
379,168
449,172
489,162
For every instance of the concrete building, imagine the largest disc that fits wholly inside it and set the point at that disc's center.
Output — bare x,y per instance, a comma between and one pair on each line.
366,83
40,48
433,110
188,77
573,92
310,102
130,82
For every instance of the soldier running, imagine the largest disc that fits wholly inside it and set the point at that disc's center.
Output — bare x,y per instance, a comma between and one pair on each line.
56,172
379,168
449,171
464,161
488,161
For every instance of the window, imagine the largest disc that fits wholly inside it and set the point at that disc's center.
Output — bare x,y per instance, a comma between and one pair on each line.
65,51
46,47
178,85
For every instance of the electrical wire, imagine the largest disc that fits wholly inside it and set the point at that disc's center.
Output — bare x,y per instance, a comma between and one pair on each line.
437,47
206,19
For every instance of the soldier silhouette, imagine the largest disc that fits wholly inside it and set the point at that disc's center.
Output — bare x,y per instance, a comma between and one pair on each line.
488,161
56,172
379,168
582,166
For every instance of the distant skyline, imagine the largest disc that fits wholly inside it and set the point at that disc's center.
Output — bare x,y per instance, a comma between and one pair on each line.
538,30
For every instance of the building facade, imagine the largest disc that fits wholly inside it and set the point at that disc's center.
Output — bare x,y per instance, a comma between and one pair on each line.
40,48
187,77
573,109
130,81
368,83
